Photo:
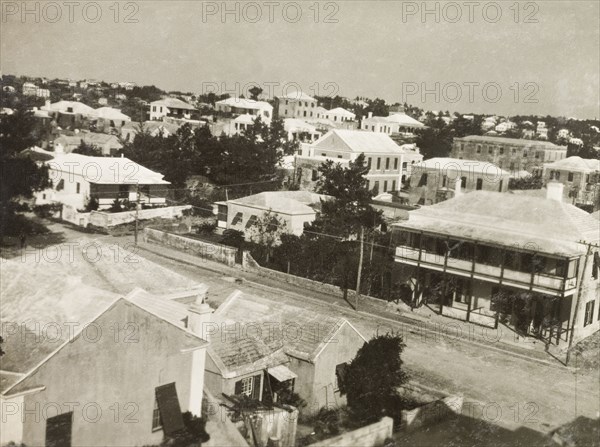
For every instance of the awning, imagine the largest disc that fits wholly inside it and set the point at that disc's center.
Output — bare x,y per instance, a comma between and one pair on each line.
281,373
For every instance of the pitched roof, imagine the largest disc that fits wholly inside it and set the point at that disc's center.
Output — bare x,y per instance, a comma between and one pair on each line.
515,141
299,332
173,103
106,170
245,119
466,166
357,141
243,103
78,108
297,96
341,111
404,120
540,224
575,163
284,202
292,124
80,280
111,114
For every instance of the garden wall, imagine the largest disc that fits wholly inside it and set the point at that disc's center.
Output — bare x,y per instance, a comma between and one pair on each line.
105,220
214,252
373,435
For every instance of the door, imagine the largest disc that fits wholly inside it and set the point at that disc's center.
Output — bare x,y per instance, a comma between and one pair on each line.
59,429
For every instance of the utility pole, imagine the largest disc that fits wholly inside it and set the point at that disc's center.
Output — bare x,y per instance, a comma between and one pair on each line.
137,211
360,262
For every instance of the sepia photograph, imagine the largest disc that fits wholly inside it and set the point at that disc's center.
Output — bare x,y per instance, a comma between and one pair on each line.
312,223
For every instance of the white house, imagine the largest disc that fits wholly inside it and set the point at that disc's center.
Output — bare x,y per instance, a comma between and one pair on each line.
390,164
296,105
242,106
170,107
340,114
76,178
300,130
109,118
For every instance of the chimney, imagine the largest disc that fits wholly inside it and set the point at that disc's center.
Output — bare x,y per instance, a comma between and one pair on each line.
370,115
457,187
47,103
554,191
199,317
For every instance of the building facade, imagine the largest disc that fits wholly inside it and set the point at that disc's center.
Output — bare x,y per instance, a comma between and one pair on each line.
439,179
296,105
484,257
510,154
581,178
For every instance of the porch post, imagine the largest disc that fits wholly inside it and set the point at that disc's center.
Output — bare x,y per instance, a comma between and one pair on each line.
469,306
445,276
502,262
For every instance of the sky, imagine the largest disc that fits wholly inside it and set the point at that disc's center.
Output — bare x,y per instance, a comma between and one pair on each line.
502,57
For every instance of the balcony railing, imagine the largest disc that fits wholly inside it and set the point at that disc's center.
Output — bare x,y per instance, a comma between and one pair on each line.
539,282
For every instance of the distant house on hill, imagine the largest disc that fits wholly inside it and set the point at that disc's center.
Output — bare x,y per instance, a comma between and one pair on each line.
108,144
170,107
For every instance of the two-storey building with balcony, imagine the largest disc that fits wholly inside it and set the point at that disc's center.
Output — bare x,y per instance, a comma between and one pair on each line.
490,258
389,164
510,154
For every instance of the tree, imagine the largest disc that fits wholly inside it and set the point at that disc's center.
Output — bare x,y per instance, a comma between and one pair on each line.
266,231
90,150
372,378
351,208
255,91
20,176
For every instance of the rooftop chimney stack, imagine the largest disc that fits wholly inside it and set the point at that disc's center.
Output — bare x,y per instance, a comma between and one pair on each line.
457,187
554,191
370,115
199,318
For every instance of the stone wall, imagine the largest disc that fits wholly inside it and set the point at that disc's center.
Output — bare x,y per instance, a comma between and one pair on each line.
202,249
105,220
372,435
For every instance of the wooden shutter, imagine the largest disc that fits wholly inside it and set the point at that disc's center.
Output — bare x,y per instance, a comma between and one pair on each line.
168,406
59,429
340,372
238,388
256,387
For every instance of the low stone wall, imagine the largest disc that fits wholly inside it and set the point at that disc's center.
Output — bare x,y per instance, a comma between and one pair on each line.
248,263
71,215
207,250
431,413
373,435
104,220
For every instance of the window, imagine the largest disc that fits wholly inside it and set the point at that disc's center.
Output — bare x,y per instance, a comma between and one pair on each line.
393,185
387,163
378,163
570,176
490,151
385,186
395,163
376,187
315,175
237,219
340,378
253,219
249,386
423,180
589,313
61,185
524,154
462,147
78,188
323,154
286,111
479,184
514,151
556,175
501,150
596,265
156,423
479,148
404,165
369,162
463,182
305,113
512,166
444,180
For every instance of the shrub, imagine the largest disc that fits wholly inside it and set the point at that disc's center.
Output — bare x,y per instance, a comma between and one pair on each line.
48,210
206,227
92,205
233,238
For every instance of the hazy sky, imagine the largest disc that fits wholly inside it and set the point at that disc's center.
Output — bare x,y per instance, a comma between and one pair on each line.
538,57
